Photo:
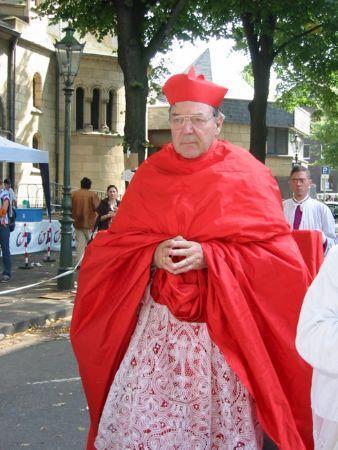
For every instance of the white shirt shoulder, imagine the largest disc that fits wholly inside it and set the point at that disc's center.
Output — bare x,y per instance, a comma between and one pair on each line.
317,336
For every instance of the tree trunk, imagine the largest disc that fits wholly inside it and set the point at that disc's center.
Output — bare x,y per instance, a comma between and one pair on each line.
262,55
134,64
258,108
136,87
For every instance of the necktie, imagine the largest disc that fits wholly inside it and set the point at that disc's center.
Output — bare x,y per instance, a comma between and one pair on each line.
298,218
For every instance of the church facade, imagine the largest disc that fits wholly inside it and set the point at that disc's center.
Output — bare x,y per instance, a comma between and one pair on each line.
32,102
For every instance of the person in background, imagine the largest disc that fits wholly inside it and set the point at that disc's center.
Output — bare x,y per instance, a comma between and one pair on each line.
305,213
12,194
12,203
186,310
317,343
107,208
84,204
4,236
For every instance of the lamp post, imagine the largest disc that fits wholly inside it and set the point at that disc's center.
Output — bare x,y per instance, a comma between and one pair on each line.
296,141
68,53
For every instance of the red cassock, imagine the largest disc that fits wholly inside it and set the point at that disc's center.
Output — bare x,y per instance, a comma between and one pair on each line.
250,295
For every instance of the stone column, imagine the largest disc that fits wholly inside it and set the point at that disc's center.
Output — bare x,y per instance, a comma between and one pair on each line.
87,127
104,128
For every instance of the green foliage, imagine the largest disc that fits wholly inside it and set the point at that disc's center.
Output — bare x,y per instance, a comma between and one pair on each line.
326,132
297,37
95,16
248,75
100,17
155,76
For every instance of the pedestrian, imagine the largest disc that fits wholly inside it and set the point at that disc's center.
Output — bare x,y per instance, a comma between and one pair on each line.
12,204
305,213
5,236
186,311
107,208
84,204
317,342
12,195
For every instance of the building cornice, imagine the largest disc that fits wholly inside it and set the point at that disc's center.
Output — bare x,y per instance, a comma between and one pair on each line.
6,30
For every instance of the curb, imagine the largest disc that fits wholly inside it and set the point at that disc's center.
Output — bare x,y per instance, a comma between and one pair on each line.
39,320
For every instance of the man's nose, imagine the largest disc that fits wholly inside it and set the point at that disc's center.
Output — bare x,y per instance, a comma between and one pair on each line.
187,126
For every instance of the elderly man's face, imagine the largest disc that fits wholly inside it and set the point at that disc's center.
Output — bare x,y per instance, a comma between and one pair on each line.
192,136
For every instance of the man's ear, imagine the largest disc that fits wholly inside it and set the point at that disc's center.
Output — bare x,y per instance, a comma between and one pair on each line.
219,123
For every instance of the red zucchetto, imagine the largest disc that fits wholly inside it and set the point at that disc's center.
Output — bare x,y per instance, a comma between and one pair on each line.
189,87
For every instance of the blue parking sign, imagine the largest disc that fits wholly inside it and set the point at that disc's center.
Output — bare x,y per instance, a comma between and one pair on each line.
325,170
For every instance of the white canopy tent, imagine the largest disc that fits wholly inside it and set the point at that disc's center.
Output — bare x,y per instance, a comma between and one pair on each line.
17,153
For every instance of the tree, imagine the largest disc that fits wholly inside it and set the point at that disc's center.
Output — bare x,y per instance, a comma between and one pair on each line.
143,27
315,86
295,36
326,132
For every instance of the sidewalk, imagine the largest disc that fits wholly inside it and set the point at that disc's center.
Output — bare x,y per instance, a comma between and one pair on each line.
33,306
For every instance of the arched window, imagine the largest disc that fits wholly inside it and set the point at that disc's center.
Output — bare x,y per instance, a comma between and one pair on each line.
95,109
37,91
109,112
79,108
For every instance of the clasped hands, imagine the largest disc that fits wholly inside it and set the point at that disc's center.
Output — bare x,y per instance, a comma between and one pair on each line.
190,251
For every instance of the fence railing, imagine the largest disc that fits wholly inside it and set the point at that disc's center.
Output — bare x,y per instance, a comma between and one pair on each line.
31,195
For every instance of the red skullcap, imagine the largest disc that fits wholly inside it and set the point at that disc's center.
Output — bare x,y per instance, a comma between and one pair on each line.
187,87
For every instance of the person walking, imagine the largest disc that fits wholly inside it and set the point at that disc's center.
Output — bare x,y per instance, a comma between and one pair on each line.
305,213
186,311
12,204
84,204
5,236
12,194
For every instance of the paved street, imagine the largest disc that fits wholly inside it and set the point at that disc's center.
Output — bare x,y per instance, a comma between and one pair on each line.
21,309
42,406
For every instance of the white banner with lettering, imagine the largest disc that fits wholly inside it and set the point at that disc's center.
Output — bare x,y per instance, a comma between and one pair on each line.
37,237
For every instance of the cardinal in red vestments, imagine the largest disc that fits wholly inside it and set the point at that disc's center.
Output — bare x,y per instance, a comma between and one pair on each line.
186,312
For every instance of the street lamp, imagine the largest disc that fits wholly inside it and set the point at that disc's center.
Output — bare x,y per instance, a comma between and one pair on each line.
296,141
68,53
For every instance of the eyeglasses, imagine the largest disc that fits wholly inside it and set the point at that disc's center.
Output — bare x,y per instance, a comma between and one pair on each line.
195,120
298,180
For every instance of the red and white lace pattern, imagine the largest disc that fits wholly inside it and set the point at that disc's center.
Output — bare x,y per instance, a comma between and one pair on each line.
175,391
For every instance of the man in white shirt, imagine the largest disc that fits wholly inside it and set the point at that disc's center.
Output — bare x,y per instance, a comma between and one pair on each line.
317,343
305,213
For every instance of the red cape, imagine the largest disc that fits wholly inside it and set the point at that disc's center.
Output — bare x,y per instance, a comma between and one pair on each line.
250,296
311,247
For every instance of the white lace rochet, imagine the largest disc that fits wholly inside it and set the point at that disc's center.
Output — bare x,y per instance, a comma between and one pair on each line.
175,391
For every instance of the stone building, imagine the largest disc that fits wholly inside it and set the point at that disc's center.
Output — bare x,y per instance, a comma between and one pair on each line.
32,101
